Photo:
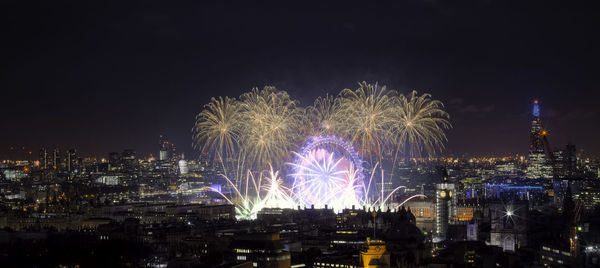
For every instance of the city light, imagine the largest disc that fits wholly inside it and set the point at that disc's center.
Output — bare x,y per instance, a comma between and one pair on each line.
327,172
362,134
260,130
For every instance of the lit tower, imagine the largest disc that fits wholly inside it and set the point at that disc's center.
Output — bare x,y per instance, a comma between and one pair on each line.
444,193
538,166
44,159
56,158
163,154
71,159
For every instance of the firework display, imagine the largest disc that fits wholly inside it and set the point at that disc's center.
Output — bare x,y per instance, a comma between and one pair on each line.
216,128
328,171
265,130
364,117
418,124
269,126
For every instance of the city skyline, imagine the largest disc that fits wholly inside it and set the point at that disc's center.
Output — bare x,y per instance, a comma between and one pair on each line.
127,79
237,134
30,153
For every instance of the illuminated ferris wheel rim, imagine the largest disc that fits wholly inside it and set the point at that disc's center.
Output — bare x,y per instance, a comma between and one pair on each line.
321,142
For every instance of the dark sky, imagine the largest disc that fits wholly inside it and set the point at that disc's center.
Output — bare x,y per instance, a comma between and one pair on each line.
103,77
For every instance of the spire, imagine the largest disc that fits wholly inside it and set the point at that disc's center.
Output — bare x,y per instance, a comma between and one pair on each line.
536,108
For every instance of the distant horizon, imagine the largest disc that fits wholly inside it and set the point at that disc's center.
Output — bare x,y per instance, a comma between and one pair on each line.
195,153
191,153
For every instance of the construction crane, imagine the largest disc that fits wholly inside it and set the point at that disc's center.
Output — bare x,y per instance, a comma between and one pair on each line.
575,228
574,216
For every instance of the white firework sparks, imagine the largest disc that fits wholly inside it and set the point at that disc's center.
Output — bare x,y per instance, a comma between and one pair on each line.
252,196
321,179
265,126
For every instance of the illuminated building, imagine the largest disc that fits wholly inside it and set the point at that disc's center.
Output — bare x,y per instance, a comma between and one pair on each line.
424,212
472,230
163,154
108,180
570,160
537,163
263,250
517,191
71,160
509,225
14,174
445,207
56,158
183,168
554,256
128,159
375,255
565,162
114,160
347,240
44,157
590,198
467,210
168,159
335,262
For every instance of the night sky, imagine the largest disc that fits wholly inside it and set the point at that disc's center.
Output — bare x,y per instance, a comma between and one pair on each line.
104,77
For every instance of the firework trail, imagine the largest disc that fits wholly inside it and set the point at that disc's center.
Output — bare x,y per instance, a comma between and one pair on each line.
264,127
418,125
320,116
217,130
270,126
364,117
255,194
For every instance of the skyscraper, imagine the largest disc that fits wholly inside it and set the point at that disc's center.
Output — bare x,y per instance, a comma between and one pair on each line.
538,165
129,160
570,161
114,159
71,160
163,154
43,159
565,162
56,159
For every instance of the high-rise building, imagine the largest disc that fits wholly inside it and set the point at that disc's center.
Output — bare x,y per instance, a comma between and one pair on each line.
565,162
538,165
56,161
570,161
559,157
44,159
163,153
114,160
444,194
71,160
129,159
